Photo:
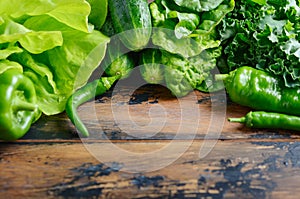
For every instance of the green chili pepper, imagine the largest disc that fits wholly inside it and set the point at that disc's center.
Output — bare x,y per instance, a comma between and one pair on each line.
18,107
260,90
84,94
261,119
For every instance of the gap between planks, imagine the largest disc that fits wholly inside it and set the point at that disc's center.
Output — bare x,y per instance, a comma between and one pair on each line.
49,141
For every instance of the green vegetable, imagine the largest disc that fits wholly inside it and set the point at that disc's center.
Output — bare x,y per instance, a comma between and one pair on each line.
98,12
264,34
261,91
54,43
195,30
182,75
151,68
261,119
199,5
71,13
86,93
108,28
117,61
18,108
132,20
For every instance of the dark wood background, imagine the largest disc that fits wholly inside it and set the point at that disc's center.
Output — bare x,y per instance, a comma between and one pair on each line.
51,161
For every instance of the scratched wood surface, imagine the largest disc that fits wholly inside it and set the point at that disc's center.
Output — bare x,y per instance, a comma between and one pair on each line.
149,144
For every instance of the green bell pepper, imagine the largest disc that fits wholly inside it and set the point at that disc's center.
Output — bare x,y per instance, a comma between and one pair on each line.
18,108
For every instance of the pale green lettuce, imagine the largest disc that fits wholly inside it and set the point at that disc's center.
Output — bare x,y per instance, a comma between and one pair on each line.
53,44
72,13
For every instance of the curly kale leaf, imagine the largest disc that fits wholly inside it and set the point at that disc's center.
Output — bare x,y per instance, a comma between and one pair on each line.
264,35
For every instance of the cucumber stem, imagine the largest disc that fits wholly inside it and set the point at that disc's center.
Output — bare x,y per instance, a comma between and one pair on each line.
240,120
221,77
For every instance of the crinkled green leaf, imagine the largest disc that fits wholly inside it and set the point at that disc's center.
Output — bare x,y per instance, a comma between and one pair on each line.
73,13
6,65
199,5
184,74
75,61
264,35
195,31
28,62
53,43
33,41
188,23
58,72
166,39
6,52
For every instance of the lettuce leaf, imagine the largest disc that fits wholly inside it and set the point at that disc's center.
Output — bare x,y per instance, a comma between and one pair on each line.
199,5
98,12
178,27
34,42
54,45
55,72
72,13
6,65
182,75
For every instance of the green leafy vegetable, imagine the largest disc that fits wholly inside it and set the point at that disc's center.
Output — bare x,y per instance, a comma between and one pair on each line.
182,75
199,5
194,30
72,13
98,12
265,35
54,44
6,64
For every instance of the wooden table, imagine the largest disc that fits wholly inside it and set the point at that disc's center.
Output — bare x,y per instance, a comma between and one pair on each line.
122,159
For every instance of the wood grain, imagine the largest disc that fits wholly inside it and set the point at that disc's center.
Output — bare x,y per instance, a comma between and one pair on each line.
232,169
155,160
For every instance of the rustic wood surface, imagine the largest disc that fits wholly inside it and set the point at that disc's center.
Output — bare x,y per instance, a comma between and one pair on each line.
52,161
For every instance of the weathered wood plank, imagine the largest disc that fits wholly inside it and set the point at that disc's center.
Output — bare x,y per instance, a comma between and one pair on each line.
151,112
233,169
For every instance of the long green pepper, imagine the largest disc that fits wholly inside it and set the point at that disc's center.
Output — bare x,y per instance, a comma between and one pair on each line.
270,120
260,90
84,94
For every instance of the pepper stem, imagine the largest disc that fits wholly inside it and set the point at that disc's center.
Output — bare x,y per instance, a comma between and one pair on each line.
20,105
221,77
240,120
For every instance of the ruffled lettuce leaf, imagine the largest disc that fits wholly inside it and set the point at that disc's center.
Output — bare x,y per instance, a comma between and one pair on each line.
54,45
33,41
57,73
178,27
6,65
199,5
72,13
182,75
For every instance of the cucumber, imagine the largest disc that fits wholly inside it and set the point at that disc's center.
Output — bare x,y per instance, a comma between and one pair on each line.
117,61
151,68
132,20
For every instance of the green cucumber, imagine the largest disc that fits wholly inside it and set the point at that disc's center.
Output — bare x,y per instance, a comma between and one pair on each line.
151,68
132,20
